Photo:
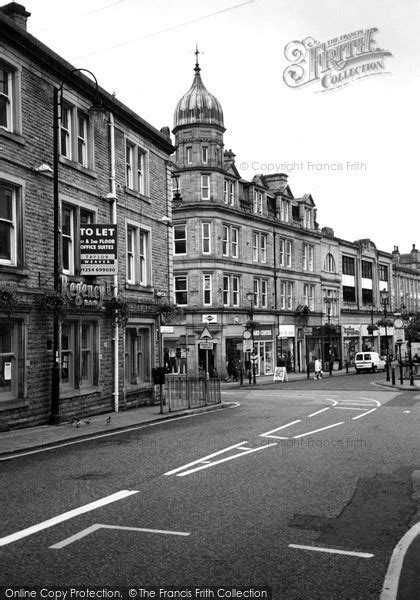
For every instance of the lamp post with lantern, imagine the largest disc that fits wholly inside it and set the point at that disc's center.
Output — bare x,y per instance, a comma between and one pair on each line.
97,109
253,356
384,300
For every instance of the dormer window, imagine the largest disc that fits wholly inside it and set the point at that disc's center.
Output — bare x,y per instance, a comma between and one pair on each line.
307,217
258,202
284,210
229,192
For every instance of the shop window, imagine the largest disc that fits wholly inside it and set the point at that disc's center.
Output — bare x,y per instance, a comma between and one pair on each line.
137,355
79,357
11,359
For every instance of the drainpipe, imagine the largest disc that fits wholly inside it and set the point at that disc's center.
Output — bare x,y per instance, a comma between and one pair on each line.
113,199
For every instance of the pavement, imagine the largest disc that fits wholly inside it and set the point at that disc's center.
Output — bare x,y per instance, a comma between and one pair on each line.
22,441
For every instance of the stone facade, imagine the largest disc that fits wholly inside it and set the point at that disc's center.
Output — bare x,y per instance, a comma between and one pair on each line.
250,251
119,163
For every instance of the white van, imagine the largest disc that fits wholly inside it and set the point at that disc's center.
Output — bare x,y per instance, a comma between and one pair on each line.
369,361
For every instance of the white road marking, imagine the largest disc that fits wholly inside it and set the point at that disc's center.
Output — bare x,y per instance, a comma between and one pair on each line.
65,516
201,460
319,411
392,577
332,551
349,408
317,430
93,528
268,433
222,460
364,414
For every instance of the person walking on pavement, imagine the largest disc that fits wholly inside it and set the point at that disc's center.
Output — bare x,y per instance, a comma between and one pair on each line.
318,369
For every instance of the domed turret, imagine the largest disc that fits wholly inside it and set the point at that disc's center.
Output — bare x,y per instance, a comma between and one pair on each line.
198,105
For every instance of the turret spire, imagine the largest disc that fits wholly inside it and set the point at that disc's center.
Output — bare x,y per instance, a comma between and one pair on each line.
197,66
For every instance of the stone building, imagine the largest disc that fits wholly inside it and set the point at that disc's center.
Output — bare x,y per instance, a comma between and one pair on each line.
244,252
249,251
112,170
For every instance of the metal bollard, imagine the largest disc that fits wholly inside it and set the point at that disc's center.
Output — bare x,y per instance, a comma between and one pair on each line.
241,377
307,372
347,368
393,375
401,374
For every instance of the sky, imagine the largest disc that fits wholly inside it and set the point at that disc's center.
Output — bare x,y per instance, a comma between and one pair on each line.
353,147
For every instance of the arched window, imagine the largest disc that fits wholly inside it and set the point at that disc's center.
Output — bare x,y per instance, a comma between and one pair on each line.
329,263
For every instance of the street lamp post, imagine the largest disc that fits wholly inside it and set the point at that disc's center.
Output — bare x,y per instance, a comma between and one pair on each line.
57,117
328,301
251,297
385,299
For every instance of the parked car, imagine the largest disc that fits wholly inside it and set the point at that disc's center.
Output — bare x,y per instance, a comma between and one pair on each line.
369,361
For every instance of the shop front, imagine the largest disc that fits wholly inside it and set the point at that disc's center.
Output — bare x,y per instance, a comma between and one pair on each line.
324,343
264,346
286,346
351,343
369,335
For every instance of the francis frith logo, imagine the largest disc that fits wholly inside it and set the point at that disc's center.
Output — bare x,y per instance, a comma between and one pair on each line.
334,63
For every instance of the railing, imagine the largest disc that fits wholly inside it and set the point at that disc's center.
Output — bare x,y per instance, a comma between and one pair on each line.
183,392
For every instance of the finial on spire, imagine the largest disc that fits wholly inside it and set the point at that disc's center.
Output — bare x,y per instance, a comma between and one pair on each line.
197,52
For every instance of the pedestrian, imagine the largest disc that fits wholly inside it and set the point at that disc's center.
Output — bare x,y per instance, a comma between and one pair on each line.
318,369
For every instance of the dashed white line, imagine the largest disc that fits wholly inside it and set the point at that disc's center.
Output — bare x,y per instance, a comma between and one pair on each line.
332,551
364,414
93,528
205,459
222,460
317,430
65,516
268,433
319,411
349,408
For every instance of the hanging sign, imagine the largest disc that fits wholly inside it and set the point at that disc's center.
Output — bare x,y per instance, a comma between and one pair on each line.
98,249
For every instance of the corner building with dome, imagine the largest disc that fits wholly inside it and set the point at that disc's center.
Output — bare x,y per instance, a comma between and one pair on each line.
244,254
253,270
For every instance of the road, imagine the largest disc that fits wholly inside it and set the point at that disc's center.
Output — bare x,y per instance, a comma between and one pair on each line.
304,487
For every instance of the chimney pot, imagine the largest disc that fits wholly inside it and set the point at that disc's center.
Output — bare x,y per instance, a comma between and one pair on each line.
17,12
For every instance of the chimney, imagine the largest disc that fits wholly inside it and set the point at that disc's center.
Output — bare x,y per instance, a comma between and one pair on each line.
229,155
17,12
414,249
